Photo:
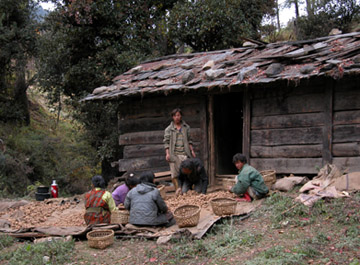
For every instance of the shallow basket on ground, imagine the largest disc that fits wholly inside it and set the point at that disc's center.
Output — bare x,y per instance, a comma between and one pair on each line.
100,238
223,206
120,217
187,215
269,177
162,191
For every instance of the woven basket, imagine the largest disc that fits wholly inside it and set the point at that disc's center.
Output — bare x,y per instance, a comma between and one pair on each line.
187,215
162,191
228,182
100,238
269,177
120,217
223,206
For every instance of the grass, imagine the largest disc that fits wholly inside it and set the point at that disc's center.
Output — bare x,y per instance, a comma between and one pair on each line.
291,234
6,241
54,252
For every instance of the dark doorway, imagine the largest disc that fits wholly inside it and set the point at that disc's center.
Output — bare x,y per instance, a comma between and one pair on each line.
228,130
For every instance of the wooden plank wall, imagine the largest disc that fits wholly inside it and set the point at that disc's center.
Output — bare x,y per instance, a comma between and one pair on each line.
346,125
142,124
287,128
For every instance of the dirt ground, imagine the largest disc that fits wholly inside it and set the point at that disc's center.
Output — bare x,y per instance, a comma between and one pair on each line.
317,236
278,232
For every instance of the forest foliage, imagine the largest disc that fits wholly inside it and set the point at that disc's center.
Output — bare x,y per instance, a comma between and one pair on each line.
84,44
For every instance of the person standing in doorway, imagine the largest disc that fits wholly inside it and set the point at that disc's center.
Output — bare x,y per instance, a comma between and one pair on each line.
178,144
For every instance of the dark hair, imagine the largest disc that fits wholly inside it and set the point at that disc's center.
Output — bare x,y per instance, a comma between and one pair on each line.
239,157
98,182
174,111
147,176
188,163
131,180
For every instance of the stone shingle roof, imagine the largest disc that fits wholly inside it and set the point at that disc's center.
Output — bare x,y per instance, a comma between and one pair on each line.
333,56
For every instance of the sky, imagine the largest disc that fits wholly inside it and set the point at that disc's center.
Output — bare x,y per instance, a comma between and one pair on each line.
288,13
285,14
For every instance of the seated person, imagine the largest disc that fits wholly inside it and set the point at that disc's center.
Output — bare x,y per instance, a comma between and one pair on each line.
145,204
120,192
192,172
249,181
98,203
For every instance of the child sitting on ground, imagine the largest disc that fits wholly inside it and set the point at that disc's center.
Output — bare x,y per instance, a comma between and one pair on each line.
120,192
146,206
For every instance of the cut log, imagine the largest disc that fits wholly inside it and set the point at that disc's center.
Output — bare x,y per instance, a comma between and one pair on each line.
288,165
346,133
288,121
153,124
347,100
162,174
351,164
287,105
286,151
141,164
311,135
346,149
347,117
153,137
133,151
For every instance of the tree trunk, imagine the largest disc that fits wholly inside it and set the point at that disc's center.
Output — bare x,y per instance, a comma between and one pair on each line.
20,96
297,14
310,7
278,15
296,18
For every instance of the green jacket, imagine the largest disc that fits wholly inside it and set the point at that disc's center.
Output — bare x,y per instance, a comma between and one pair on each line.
249,176
170,138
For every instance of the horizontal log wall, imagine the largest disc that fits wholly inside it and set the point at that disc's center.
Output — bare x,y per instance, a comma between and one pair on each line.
142,124
346,125
287,129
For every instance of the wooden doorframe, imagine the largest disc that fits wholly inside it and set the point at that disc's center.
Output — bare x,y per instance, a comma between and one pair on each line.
211,141
246,123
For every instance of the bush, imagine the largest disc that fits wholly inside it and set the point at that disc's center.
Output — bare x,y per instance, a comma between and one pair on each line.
40,153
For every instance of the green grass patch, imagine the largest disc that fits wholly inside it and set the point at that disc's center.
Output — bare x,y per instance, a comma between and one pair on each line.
54,252
6,241
280,255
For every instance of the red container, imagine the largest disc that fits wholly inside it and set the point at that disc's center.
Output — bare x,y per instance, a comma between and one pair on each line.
54,189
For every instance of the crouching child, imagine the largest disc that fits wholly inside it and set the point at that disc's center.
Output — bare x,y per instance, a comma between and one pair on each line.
146,206
249,182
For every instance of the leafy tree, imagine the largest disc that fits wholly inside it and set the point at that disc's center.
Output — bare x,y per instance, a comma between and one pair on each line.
329,14
211,24
86,43
17,42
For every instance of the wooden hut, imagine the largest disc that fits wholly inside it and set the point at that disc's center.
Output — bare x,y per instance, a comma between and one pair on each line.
290,106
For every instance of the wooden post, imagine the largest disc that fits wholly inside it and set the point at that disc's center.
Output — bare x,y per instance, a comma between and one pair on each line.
246,124
204,135
211,141
328,121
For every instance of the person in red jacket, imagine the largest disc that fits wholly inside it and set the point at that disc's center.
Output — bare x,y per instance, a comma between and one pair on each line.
98,203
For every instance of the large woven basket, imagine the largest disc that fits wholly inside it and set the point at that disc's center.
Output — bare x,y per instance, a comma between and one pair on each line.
223,206
187,215
162,191
269,177
120,217
100,238
228,182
